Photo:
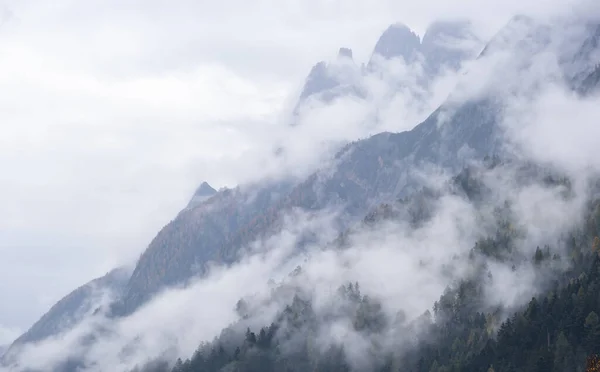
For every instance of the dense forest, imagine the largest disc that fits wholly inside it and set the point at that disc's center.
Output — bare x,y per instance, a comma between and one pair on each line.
559,330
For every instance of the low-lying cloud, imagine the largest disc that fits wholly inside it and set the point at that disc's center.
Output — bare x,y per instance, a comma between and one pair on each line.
549,124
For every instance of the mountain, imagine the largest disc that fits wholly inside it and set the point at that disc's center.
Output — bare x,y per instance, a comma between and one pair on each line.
202,194
214,226
217,227
445,46
397,41
324,77
328,81
200,235
365,173
74,307
456,315
553,332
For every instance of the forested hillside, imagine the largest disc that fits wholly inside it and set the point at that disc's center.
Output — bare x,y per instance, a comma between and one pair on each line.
557,330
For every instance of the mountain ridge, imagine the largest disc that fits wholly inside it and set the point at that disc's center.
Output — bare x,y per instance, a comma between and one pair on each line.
366,173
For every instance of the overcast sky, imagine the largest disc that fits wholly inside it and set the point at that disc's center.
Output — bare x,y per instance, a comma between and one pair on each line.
113,111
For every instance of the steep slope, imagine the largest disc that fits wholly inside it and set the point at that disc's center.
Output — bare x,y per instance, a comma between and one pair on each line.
457,309
72,308
369,171
324,77
397,41
202,194
328,81
365,173
197,236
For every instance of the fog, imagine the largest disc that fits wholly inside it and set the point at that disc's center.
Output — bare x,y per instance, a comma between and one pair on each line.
101,142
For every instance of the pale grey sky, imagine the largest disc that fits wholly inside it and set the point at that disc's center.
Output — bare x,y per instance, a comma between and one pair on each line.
112,112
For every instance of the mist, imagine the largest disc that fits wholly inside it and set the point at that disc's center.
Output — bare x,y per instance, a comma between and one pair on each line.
406,268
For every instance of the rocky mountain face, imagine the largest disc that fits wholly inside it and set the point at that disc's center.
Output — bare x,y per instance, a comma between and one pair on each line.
217,226
205,233
398,40
445,46
365,173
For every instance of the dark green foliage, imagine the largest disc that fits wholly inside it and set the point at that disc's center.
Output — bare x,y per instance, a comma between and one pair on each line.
290,343
555,332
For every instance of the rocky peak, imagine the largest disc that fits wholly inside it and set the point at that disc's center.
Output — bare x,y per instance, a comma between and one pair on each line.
398,40
318,80
345,53
202,193
205,190
448,44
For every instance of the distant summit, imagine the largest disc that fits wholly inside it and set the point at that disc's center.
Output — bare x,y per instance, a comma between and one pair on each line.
205,190
203,193
318,80
446,44
398,40
345,53
328,80
326,76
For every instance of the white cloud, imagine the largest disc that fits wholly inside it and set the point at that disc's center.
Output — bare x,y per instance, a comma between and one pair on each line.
406,269
113,112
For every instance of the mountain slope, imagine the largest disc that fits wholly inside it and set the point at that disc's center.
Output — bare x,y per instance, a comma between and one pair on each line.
72,308
197,236
364,174
202,194
457,315
367,173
